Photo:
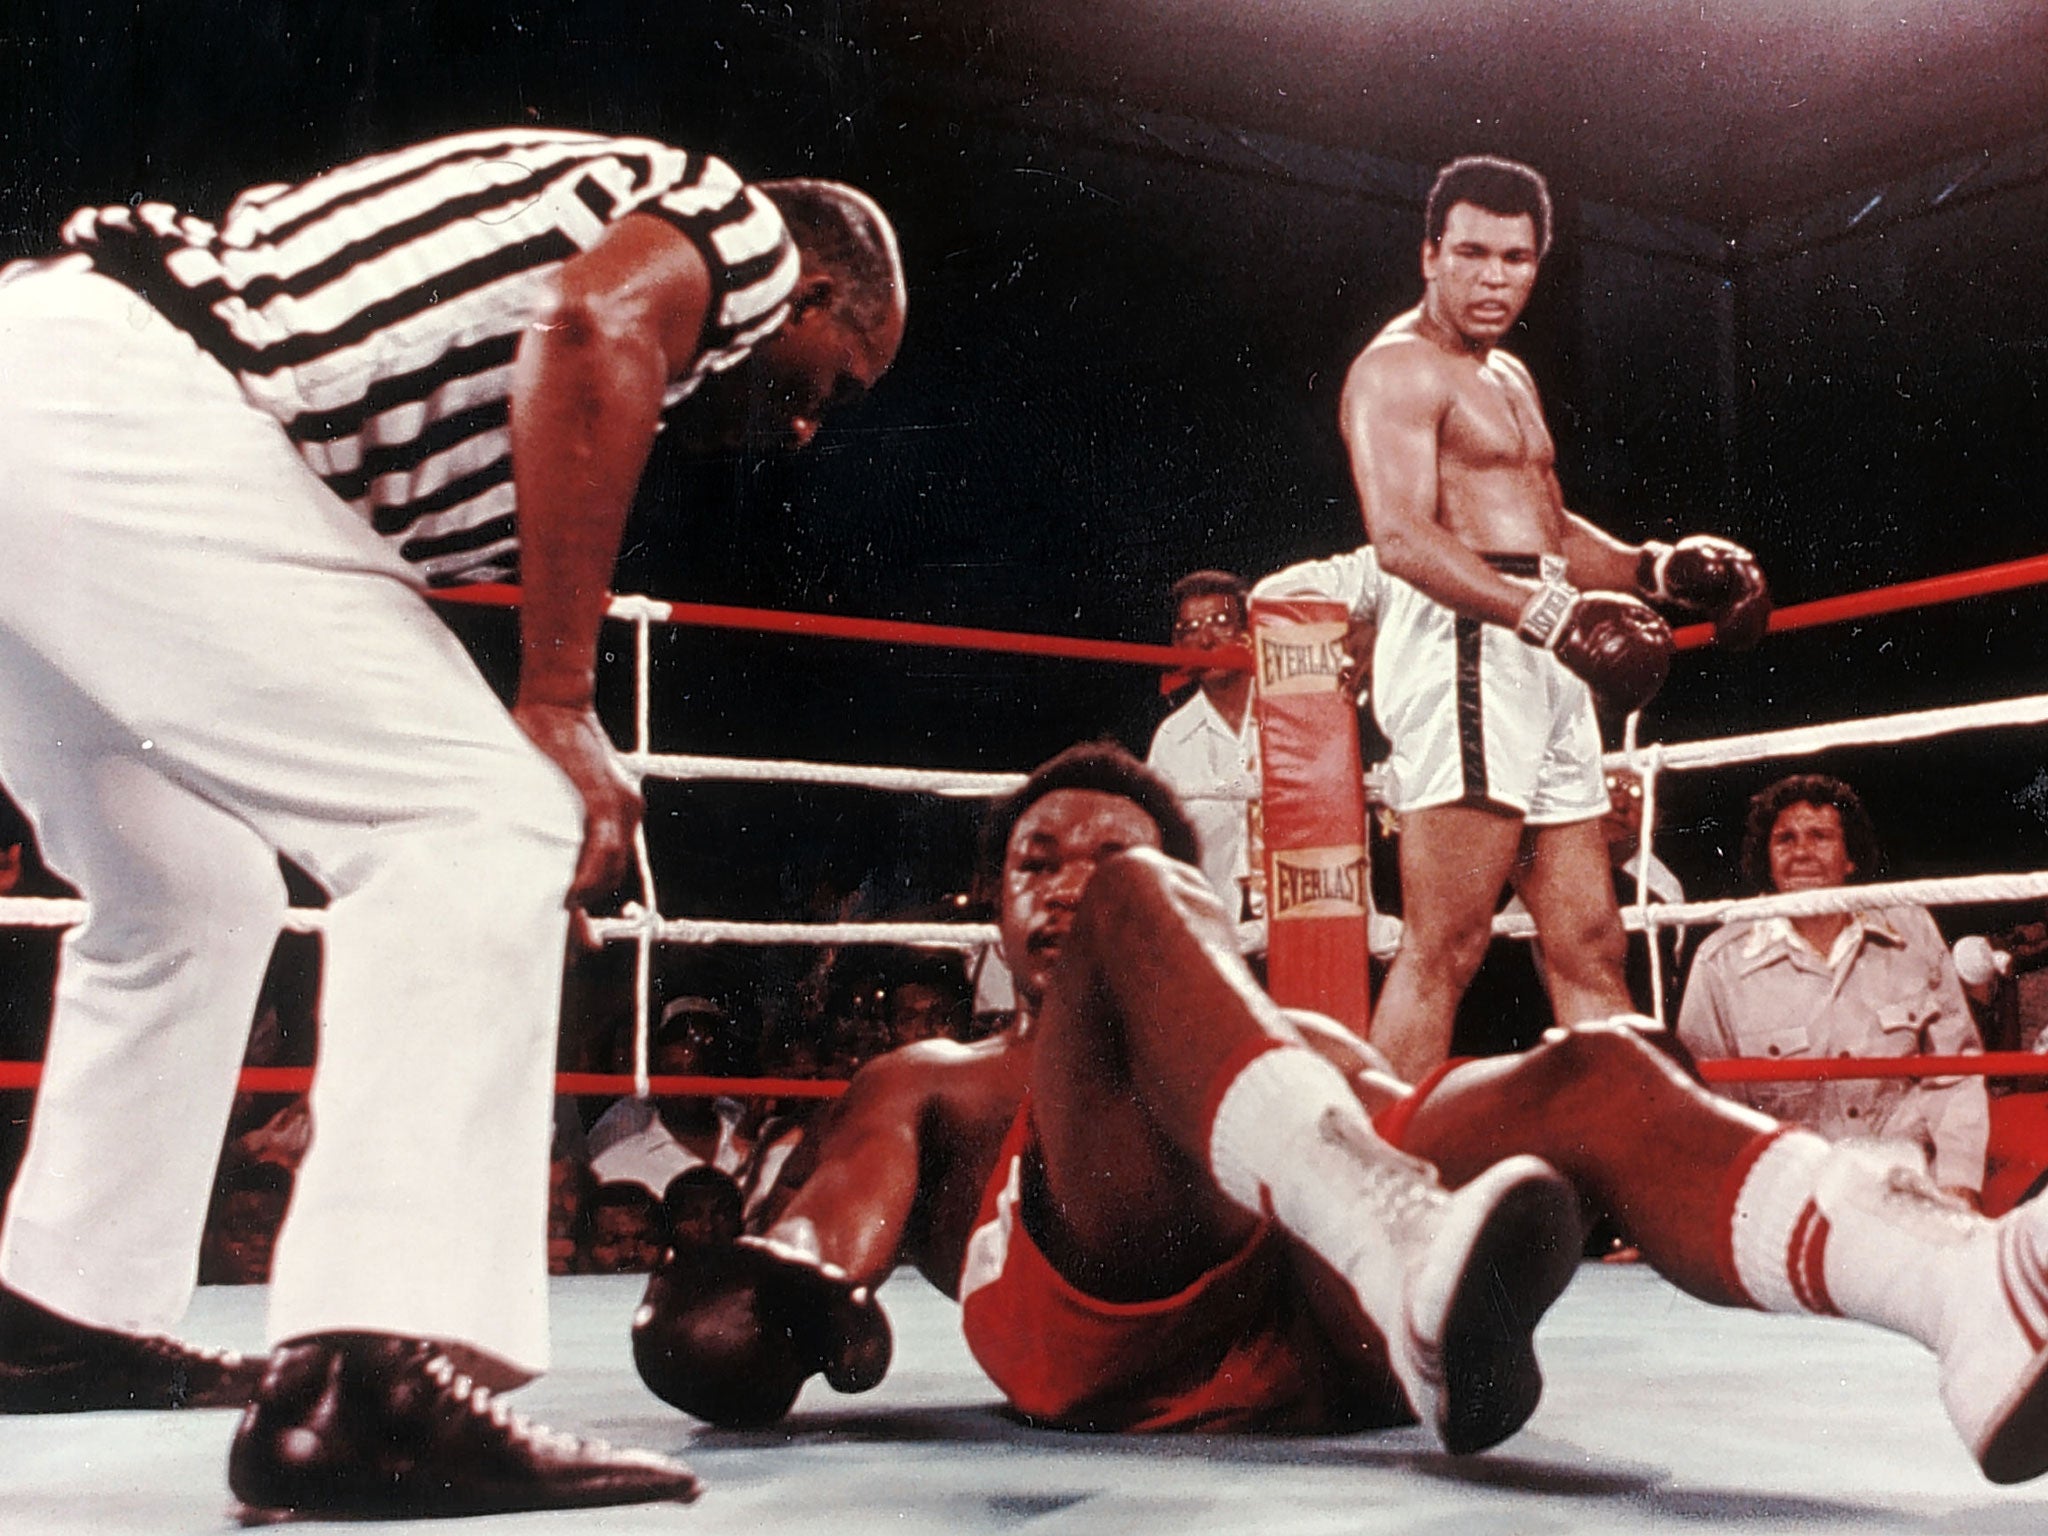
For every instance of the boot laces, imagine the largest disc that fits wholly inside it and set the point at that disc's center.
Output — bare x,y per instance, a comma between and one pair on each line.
472,1398
1404,1190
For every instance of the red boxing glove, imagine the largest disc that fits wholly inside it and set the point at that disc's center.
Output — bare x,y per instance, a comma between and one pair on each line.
1617,643
1714,577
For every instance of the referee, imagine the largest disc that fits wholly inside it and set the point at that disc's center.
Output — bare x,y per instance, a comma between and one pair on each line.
235,456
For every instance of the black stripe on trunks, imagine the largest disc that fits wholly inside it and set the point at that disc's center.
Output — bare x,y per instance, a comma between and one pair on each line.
1471,707
1471,712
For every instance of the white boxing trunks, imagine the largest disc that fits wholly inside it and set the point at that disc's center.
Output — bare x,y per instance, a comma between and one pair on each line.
1477,716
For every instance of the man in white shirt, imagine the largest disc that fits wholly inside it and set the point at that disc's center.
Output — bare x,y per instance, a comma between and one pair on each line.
649,1142
1208,748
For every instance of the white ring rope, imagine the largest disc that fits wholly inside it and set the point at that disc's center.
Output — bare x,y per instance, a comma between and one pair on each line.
1876,730
51,912
69,911
636,608
633,924
1726,751
66,912
643,962
646,928
757,770
46,911
1958,890
1652,764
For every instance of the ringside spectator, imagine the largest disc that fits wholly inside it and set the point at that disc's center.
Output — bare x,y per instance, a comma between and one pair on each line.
1207,749
625,1229
1868,982
650,1141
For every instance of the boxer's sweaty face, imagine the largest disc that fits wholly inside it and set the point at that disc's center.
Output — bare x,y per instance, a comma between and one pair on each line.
1053,852
1480,273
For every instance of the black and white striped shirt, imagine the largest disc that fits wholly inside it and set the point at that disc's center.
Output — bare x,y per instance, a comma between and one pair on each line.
376,309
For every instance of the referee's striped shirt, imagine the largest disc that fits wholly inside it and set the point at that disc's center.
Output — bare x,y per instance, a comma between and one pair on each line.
376,310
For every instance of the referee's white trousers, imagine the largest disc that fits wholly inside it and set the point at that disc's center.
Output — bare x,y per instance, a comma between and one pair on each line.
207,659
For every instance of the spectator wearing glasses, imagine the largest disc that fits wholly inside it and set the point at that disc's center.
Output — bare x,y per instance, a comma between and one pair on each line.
1208,748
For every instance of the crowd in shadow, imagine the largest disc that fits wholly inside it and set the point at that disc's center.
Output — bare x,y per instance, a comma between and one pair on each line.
627,1170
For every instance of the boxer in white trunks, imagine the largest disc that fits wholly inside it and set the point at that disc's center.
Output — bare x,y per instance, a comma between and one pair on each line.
1503,614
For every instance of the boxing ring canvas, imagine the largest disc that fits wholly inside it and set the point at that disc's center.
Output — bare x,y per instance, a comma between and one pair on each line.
1660,1415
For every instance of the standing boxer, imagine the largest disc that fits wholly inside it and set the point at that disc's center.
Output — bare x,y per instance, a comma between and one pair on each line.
1503,615
233,458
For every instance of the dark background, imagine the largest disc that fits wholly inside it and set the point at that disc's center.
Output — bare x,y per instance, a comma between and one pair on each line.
1797,297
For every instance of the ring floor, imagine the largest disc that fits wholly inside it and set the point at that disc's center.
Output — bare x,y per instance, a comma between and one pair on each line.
1660,1415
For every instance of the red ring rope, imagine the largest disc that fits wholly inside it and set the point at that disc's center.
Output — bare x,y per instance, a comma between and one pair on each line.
1980,581
28,1074
830,626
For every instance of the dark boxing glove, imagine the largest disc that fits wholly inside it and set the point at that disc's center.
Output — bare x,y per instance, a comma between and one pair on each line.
1714,577
729,1331
1614,641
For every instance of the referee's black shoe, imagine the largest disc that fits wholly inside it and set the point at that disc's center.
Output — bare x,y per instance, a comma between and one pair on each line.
50,1364
367,1425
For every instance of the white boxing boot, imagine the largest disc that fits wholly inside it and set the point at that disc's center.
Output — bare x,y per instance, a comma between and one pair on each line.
1975,1291
1472,1273
1994,1359
1454,1282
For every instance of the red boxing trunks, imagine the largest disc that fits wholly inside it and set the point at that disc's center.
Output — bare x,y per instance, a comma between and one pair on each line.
1237,1349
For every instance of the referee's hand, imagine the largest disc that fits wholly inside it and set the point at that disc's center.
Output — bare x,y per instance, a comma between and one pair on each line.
612,803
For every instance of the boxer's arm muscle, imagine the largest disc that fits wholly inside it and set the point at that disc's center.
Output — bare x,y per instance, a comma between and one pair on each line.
1595,560
586,403
860,1177
1390,415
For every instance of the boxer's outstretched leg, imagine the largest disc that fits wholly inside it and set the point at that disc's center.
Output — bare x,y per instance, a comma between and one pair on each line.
1742,1211
1642,1141
1174,1106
